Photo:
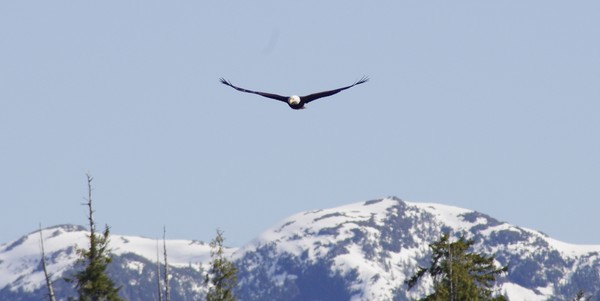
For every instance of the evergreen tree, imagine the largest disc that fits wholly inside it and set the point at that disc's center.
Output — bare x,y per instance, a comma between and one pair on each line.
92,283
581,296
222,275
457,274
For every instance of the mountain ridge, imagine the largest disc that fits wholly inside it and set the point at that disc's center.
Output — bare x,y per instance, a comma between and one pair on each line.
360,251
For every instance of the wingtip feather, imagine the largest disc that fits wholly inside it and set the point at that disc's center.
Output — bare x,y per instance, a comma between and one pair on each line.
224,81
363,79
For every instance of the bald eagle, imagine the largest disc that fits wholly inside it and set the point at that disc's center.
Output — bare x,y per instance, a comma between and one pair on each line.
297,102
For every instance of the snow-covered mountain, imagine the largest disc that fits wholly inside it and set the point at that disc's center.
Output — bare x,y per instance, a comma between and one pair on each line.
361,251
133,267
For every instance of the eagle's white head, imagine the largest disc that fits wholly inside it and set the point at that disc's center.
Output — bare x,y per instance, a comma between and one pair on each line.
294,100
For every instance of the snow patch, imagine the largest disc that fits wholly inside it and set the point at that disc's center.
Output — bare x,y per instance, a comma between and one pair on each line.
517,292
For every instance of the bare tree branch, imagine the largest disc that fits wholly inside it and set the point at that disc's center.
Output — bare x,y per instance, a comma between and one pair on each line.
158,273
91,213
167,289
48,282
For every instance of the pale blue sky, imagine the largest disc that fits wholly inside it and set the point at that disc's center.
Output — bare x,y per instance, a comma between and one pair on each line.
492,106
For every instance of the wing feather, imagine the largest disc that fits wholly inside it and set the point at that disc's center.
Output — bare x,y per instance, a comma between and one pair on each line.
315,96
268,95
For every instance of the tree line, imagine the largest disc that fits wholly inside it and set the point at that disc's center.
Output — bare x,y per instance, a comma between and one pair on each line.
92,282
458,274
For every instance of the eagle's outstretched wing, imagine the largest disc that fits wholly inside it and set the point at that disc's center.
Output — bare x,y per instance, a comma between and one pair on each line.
269,95
314,96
